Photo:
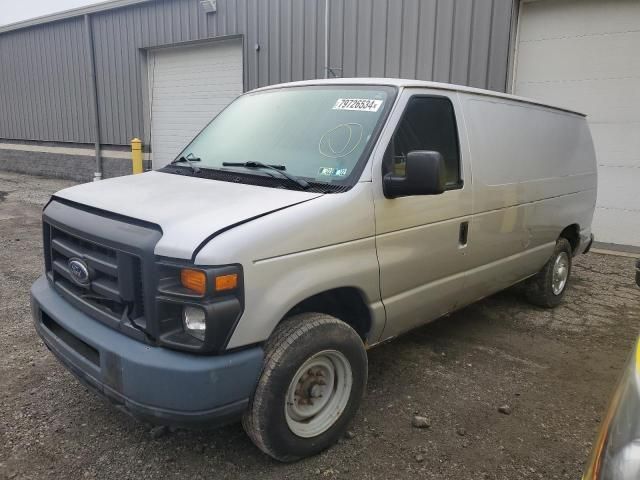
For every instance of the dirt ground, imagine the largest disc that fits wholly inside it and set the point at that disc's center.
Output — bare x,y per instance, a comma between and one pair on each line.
555,370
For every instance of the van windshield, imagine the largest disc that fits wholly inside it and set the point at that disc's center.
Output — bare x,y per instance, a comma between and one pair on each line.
315,133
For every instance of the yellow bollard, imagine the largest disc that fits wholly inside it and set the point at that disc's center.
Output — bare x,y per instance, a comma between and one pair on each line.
136,155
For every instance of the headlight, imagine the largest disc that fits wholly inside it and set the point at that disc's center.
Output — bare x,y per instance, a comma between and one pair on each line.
616,453
195,321
197,306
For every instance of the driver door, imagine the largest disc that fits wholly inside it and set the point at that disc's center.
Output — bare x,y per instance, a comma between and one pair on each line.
422,240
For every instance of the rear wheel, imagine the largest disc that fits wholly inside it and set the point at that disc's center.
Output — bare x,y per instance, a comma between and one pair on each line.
313,378
548,286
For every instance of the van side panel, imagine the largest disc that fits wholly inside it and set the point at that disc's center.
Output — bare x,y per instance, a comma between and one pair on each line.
534,173
295,253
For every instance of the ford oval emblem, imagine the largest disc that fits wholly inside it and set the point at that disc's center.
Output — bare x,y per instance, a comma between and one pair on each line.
79,271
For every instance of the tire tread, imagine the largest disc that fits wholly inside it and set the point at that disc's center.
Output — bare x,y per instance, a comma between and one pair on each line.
538,287
284,336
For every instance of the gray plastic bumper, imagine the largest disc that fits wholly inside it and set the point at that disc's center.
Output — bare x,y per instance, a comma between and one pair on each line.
155,384
588,244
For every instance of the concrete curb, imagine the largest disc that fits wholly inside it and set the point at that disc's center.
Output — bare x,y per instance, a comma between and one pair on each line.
617,253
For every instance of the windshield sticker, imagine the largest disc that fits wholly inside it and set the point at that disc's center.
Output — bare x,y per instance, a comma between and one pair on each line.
326,171
358,104
332,172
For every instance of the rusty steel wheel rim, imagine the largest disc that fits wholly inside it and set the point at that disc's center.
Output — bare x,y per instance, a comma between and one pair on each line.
318,393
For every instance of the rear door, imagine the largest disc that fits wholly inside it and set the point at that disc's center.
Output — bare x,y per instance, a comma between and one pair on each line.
422,240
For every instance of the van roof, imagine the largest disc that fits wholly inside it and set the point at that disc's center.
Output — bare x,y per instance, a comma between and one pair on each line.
408,83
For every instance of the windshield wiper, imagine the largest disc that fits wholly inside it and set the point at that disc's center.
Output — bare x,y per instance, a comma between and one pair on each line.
278,168
189,159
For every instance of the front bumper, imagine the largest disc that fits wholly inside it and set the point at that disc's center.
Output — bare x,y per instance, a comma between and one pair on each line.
586,241
155,384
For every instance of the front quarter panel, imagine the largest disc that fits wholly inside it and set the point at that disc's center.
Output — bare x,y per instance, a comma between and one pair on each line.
295,253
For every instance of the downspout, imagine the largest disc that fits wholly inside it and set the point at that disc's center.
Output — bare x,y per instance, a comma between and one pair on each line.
326,38
94,96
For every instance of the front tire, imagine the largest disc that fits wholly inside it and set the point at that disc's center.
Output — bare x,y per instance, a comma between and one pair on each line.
313,378
547,288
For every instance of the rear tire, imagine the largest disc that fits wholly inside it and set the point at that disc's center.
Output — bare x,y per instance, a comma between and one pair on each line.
547,288
312,381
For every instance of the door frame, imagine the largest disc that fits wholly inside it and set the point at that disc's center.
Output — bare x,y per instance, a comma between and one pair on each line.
399,321
514,38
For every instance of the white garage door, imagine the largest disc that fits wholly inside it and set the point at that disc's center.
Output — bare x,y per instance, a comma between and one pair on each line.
585,54
187,87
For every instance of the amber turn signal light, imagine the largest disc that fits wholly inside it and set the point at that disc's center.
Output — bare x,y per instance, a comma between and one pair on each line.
194,280
226,282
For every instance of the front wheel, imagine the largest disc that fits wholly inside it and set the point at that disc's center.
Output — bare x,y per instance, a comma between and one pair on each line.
548,286
313,378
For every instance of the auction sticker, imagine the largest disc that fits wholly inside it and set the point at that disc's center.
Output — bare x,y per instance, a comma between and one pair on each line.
358,104
332,172
326,171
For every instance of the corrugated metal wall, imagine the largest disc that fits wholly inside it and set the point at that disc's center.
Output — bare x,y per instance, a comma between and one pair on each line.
459,41
44,84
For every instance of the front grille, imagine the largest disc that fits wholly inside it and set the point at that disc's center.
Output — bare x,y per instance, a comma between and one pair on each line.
115,289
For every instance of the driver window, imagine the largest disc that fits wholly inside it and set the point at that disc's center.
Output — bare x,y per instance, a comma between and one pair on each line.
428,123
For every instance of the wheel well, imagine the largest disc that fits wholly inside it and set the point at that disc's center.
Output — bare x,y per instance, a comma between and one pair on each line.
345,303
572,234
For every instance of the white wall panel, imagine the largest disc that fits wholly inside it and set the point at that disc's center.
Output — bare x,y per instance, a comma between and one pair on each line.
584,54
189,86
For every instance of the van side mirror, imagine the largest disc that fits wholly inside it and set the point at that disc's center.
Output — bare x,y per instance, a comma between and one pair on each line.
424,175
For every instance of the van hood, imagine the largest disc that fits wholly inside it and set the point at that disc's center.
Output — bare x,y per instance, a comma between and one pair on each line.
189,210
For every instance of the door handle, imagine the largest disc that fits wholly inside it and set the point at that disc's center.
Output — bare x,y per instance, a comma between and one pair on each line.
463,235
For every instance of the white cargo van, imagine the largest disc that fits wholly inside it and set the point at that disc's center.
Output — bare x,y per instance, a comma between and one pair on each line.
306,223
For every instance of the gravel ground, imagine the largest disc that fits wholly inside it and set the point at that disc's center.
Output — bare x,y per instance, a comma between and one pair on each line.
554,369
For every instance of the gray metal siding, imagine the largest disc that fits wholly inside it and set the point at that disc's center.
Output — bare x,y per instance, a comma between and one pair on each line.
44,83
